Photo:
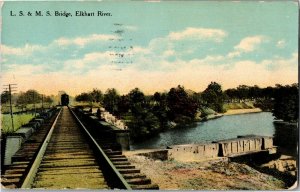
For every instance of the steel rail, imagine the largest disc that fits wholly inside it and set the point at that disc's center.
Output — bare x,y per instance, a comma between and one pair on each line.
122,182
34,167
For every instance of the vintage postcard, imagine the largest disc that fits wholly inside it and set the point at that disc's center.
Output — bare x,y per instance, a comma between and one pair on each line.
160,95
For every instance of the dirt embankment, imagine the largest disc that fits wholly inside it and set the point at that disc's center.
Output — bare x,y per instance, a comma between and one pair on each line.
217,175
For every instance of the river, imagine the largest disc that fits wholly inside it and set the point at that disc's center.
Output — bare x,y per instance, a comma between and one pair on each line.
222,128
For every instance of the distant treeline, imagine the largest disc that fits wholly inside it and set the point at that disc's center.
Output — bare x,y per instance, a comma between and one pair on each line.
22,100
146,115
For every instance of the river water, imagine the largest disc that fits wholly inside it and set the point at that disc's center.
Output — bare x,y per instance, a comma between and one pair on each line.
222,128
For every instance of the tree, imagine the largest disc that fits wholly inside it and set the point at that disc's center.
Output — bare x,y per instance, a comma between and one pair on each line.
86,97
243,92
32,96
143,123
123,105
136,99
142,120
286,103
180,104
254,92
232,94
160,108
214,97
268,92
110,100
29,97
48,99
4,97
96,95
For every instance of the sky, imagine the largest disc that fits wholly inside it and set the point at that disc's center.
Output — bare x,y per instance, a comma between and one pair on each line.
150,45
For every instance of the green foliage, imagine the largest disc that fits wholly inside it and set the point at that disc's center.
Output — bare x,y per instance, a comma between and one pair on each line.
123,105
25,101
92,96
137,101
182,119
4,97
146,115
86,97
205,111
214,97
160,109
29,97
179,103
136,96
286,102
244,92
264,104
241,105
110,100
96,95
142,122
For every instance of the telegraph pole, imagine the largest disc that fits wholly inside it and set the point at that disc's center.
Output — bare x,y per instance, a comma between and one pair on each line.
42,103
34,104
11,88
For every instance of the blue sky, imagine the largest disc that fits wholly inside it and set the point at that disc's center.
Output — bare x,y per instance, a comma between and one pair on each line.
163,44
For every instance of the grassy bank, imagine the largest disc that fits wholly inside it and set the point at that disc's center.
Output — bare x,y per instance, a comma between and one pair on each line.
19,120
242,111
242,105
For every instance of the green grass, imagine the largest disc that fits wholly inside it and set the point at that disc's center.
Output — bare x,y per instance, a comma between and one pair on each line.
242,105
19,120
205,111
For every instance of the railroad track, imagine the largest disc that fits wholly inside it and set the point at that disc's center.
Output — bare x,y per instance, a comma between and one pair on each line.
70,158
12,176
69,161
106,139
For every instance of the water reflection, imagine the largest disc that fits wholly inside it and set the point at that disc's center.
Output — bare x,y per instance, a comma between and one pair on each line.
222,128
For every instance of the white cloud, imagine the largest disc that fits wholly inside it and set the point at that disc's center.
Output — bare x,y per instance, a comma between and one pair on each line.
82,41
233,54
89,60
198,33
130,27
249,44
150,70
26,50
281,44
191,74
168,53
279,63
139,50
246,45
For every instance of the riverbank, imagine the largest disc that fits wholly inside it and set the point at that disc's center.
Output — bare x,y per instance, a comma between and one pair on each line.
242,111
231,112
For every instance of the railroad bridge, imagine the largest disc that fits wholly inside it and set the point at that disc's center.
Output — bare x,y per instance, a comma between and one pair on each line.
68,148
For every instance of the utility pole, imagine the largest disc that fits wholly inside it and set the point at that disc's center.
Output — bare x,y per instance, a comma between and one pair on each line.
34,104
42,103
11,88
